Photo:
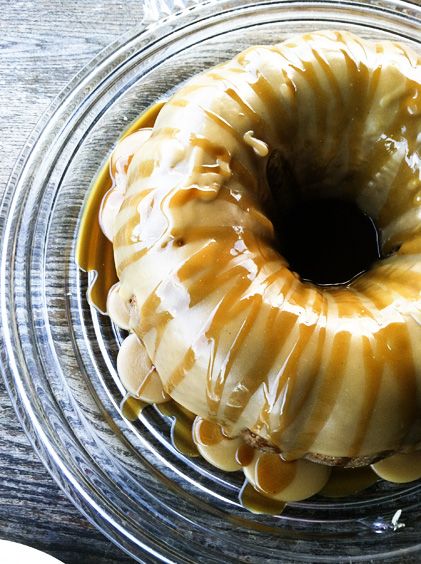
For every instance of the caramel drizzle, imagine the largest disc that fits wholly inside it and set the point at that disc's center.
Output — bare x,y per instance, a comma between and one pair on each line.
349,304
94,252
231,308
359,78
277,329
286,377
337,97
215,385
213,280
244,176
246,109
396,349
307,72
125,232
213,149
279,325
373,291
213,267
181,370
328,386
223,123
374,373
151,318
133,258
400,198
397,280
274,104
286,111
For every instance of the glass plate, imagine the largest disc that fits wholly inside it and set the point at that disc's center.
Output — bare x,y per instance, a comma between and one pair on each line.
59,355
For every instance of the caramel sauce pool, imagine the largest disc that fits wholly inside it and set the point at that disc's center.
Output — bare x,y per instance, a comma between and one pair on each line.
181,428
131,407
244,455
208,433
272,474
255,502
344,482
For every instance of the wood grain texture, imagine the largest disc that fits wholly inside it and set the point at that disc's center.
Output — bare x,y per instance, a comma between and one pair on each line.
42,45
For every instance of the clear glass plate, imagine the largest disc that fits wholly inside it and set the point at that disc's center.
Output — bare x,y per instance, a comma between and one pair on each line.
59,355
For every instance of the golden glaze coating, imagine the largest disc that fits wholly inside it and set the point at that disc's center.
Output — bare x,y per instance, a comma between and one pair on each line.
235,336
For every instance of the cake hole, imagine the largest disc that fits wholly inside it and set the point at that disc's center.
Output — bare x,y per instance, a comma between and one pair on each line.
328,241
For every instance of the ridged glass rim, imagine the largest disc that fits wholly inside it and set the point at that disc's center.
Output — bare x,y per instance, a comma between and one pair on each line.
57,124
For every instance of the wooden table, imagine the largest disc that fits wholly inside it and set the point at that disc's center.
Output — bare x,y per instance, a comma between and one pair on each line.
42,45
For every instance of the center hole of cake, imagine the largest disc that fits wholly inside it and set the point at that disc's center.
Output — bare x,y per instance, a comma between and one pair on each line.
328,241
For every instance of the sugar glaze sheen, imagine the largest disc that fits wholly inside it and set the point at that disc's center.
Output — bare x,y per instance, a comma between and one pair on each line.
208,247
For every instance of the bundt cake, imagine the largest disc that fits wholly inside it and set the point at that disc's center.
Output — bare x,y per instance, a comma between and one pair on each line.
282,372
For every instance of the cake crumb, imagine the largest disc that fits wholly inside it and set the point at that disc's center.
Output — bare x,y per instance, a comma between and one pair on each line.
395,520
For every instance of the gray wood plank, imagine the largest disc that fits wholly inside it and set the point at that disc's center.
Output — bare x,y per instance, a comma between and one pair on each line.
42,45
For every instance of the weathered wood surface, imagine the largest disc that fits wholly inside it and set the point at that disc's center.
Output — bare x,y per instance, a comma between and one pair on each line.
42,45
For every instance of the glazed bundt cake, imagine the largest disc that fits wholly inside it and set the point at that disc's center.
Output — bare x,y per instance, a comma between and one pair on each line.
220,323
